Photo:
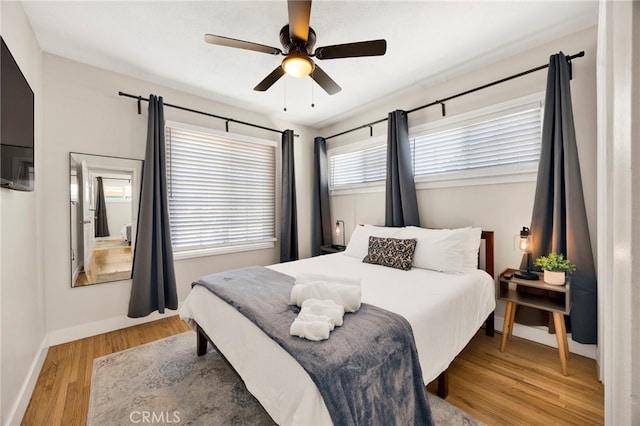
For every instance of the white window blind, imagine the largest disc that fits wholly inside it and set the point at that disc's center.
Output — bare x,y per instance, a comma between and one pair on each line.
512,140
221,189
493,145
357,167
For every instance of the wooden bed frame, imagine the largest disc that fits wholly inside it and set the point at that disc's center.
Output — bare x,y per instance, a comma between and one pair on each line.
442,380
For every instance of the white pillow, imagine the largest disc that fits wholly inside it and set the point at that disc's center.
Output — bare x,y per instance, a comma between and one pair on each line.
438,249
358,245
472,249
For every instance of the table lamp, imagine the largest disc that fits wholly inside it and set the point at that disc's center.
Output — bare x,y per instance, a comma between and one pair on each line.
340,230
525,247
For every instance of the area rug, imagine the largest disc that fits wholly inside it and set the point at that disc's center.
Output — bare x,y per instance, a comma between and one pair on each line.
164,382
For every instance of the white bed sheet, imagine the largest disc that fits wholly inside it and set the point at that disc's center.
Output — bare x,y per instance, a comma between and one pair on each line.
444,310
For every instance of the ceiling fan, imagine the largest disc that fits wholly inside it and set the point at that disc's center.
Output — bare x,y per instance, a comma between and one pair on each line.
298,39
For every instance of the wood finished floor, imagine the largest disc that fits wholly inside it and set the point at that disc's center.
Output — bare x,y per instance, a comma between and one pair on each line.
522,386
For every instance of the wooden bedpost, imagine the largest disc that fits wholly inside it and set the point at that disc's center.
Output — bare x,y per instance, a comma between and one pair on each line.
489,325
443,384
201,346
487,236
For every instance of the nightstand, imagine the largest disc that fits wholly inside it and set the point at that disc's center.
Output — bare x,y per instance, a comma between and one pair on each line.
332,249
553,298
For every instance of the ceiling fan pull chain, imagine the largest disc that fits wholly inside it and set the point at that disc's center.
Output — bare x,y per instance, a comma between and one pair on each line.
312,100
284,85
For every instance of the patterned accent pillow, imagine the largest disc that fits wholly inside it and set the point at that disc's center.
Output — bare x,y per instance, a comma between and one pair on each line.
391,252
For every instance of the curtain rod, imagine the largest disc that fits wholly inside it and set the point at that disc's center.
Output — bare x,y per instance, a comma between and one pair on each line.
457,95
195,111
112,178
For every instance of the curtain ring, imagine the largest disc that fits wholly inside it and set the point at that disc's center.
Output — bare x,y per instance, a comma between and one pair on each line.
226,125
139,105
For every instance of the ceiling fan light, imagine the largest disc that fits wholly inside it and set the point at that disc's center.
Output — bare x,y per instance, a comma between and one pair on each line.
297,66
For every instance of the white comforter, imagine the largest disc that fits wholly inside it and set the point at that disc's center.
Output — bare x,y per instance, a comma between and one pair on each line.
444,310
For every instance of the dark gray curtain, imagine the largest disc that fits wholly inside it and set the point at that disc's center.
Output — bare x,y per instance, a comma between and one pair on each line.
322,234
559,220
153,284
100,214
401,207
288,213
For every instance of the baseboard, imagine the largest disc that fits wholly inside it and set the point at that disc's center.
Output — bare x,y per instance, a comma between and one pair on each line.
65,335
24,396
541,335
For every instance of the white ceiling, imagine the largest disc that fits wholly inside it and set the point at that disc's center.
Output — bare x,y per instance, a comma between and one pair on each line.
163,42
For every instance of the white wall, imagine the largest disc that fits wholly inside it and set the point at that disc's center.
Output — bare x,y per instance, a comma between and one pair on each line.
21,213
619,209
83,113
118,215
503,208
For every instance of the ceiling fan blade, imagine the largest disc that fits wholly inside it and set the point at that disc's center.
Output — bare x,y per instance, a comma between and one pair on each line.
299,15
270,79
240,44
351,50
326,82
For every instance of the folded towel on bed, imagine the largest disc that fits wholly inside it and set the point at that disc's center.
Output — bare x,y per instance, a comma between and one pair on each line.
310,330
306,278
327,308
309,317
343,291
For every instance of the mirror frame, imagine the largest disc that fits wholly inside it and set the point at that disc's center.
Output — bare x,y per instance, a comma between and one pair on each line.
80,217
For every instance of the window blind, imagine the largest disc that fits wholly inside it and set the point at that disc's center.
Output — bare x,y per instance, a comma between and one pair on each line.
221,189
362,166
500,140
510,140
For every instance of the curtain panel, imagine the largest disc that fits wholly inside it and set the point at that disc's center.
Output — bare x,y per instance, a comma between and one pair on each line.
401,203
321,214
559,219
288,210
153,284
100,224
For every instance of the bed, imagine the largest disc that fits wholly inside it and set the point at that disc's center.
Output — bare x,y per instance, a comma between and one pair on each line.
445,310
126,233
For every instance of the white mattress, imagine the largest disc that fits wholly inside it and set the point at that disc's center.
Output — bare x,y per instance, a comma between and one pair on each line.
444,310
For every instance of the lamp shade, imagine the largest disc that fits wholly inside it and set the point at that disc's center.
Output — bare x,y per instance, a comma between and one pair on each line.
297,66
340,230
525,240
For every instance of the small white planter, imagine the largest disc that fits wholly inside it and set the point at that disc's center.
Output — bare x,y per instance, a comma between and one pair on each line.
554,278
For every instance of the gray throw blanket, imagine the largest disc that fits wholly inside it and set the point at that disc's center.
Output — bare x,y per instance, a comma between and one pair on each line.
367,371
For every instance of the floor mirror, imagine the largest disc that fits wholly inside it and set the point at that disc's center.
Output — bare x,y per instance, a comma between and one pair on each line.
104,199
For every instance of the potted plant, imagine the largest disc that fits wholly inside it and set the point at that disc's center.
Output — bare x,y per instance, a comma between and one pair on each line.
555,267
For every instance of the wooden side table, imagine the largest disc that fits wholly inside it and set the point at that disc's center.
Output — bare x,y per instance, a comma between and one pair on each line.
555,299
332,249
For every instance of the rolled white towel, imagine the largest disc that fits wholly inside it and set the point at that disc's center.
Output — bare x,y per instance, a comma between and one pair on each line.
310,330
307,278
324,307
348,296
306,315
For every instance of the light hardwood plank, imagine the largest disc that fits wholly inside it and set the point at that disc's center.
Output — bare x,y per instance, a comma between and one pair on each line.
524,384
521,386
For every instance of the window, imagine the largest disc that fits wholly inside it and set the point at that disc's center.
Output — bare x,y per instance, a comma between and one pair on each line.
118,189
492,145
506,142
221,191
360,166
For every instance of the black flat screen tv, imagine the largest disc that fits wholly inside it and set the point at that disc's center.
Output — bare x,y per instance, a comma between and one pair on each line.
16,125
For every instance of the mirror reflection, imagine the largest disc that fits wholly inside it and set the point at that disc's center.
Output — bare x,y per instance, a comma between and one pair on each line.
104,199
